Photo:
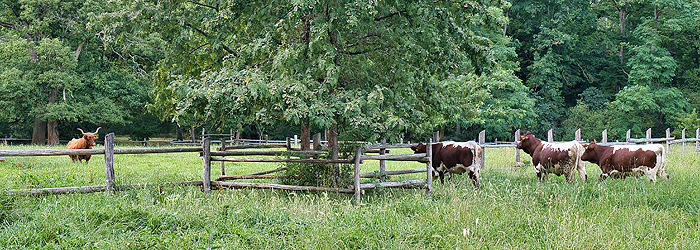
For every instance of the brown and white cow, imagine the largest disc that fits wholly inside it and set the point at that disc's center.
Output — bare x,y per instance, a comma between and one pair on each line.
455,158
557,158
85,142
623,160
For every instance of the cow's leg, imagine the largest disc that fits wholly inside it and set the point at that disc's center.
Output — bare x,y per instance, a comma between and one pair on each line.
662,174
569,173
581,167
442,178
475,179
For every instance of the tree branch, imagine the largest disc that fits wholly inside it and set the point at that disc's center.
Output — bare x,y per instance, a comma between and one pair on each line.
366,35
204,5
357,52
77,51
229,50
11,26
379,18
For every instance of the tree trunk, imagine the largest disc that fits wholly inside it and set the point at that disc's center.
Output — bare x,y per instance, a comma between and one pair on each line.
305,136
52,129
178,132
333,145
52,125
39,134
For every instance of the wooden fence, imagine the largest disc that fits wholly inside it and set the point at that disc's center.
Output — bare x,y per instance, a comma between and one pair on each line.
225,153
358,158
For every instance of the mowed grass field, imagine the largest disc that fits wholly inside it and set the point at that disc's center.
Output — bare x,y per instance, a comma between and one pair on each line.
511,211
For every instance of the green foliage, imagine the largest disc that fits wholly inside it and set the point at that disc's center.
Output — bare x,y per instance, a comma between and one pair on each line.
54,69
317,174
372,68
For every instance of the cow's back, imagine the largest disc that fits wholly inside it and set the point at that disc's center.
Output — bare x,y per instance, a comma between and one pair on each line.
72,144
626,158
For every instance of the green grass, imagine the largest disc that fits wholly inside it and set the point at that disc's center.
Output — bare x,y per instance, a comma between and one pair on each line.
511,211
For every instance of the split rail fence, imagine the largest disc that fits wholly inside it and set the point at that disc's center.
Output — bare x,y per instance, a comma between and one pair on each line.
226,153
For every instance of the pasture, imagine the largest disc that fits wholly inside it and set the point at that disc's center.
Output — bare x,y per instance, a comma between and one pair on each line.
511,211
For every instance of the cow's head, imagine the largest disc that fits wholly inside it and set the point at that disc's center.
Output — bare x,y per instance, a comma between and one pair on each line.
589,153
420,148
525,141
90,137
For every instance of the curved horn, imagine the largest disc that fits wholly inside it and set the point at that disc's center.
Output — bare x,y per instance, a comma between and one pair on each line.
81,131
98,129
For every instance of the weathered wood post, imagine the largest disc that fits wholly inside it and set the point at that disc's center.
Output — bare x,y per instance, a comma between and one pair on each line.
668,141
628,136
697,136
267,138
358,160
482,142
550,135
648,134
516,139
382,163
192,134
429,168
206,162
683,139
605,136
109,163
223,148
577,135
436,136
317,141
238,137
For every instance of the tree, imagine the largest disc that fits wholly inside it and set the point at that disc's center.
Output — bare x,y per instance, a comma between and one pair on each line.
370,70
54,72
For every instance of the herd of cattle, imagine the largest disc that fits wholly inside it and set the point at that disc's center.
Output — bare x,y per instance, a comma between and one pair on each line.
561,158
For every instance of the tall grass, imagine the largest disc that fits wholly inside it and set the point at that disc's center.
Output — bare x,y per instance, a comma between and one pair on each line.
511,211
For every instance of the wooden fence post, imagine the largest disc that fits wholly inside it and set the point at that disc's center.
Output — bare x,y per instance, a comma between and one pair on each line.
668,142
206,162
382,163
550,135
697,136
648,134
605,136
109,163
683,139
628,136
223,148
358,191
429,168
436,136
238,137
577,135
482,141
516,137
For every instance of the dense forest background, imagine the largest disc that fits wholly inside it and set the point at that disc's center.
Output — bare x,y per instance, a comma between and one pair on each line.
359,69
